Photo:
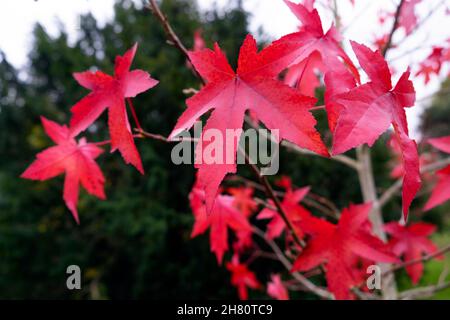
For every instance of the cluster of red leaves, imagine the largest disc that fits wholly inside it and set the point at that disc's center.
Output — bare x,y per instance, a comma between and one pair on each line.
337,247
77,160
357,113
343,249
410,242
432,65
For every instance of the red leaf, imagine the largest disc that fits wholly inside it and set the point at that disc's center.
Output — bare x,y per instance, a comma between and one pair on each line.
369,110
75,160
408,18
276,288
310,38
224,215
243,200
432,65
442,143
411,243
242,277
337,246
230,94
110,92
441,192
296,213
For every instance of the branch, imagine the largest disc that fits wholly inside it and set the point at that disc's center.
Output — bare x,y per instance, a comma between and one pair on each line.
419,260
368,189
423,292
174,40
271,194
293,147
425,19
394,28
339,158
287,264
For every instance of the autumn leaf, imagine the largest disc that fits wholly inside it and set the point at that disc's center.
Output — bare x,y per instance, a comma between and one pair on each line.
336,246
276,289
223,216
368,110
408,17
411,242
441,192
110,92
243,200
311,38
231,94
241,277
74,159
295,212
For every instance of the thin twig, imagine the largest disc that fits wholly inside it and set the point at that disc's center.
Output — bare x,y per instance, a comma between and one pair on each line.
394,28
293,147
271,194
425,19
133,113
144,134
423,292
419,260
321,292
153,6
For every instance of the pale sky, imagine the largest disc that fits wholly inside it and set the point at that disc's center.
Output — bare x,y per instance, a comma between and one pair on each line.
18,16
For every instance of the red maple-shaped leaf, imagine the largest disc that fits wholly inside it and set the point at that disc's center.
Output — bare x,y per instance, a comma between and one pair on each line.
243,200
246,204
411,242
408,18
74,159
295,212
223,216
432,65
110,92
337,246
231,94
311,38
368,110
241,277
441,192
276,289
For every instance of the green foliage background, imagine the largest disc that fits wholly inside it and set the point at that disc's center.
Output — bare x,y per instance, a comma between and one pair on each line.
136,244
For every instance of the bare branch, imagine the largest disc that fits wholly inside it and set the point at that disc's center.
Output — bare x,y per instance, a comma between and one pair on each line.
271,194
423,292
173,37
394,28
321,292
293,147
423,259
368,189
